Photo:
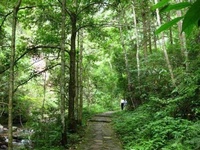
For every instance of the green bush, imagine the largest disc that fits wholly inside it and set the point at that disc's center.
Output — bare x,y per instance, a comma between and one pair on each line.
152,129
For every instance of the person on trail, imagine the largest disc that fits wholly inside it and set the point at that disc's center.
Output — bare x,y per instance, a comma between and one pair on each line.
125,103
122,104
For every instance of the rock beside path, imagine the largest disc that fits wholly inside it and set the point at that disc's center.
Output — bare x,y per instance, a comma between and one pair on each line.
20,138
100,135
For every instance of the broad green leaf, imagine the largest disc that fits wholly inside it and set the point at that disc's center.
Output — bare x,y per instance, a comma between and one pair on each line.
192,16
189,29
176,6
168,25
160,4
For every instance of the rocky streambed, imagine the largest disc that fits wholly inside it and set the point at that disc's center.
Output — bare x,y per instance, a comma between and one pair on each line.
21,138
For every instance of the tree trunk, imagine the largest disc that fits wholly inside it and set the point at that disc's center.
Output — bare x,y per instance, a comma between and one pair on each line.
80,104
155,38
182,38
144,22
170,30
76,102
129,86
44,91
62,78
11,80
137,44
149,31
164,48
72,79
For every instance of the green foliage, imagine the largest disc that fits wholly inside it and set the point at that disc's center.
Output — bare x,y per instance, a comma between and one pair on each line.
47,130
190,19
188,96
161,123
46,147
144,129
176,6
160,4
168,25
192,16
154,78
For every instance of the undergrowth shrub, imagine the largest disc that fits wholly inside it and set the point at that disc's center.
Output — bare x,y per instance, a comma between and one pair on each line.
46,134
187,96
154,129
47,131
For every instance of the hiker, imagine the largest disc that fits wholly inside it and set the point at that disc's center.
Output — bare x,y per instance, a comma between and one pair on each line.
125,103
122,104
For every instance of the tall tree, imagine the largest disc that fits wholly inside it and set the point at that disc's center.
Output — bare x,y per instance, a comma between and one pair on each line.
72,70
77,12
122,27
164,48
137,43
62,79
144,14
182,38
79,75
11,81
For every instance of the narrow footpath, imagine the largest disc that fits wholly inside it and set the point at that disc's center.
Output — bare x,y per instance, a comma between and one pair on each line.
100,135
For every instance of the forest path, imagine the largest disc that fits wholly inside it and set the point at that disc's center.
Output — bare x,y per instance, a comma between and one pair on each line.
100,135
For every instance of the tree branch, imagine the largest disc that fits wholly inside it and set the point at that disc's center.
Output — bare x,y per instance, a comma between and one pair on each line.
103,25
4,18
67,11
9,13
2,103
34,75
27,51
43,46
91,4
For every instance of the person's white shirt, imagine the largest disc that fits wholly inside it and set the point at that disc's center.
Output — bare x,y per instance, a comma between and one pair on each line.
125,102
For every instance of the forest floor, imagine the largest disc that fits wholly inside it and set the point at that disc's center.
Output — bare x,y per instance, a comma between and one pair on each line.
99,134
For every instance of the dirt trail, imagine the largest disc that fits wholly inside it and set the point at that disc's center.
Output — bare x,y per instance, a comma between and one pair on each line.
100,135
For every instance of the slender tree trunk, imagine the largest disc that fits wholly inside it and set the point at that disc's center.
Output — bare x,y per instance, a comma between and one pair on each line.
149,31
44,93
11,81
155,38
76,102
126,59
137,44
80,104
62,78
164,49
144,22
170,30
72,80
182,38
44,88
